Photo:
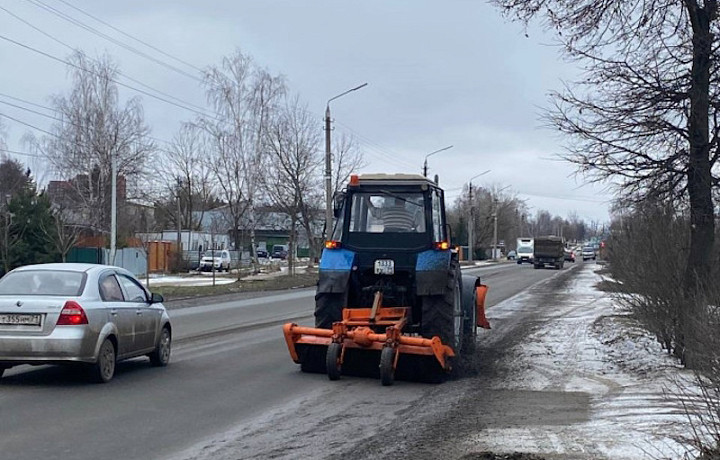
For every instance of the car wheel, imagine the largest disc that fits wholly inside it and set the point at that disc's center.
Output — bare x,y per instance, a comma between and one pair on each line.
104,369
160,357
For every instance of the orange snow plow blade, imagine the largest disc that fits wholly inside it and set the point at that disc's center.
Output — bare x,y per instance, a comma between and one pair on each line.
359,331
481,292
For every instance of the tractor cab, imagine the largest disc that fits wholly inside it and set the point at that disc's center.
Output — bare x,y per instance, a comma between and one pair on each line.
398,212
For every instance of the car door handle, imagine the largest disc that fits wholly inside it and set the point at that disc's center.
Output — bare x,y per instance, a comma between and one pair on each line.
113,312
138,312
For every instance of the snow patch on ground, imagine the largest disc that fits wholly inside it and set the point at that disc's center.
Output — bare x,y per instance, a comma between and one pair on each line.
592,346
198,280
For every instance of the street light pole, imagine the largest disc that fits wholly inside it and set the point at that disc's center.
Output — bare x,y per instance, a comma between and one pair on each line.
495,217
113,208
471,220
433,153
328,162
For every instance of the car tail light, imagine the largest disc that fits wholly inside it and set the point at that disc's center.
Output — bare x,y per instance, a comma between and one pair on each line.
72,314
332,245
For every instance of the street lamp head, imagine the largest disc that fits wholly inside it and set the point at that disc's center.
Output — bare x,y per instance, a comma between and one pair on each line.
433,153
478,175
346,92
438,151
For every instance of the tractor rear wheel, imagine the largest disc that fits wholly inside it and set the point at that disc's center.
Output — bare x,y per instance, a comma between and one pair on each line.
328,308
442,315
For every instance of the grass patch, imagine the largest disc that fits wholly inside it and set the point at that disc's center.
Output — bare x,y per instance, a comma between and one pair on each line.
268,284
610,286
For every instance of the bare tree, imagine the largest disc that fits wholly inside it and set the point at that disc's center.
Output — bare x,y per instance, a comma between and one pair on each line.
293,140
646,110
187,174
347,159
93,129
63,231
244,96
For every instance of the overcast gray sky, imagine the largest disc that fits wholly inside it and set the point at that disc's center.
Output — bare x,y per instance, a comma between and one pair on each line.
439,73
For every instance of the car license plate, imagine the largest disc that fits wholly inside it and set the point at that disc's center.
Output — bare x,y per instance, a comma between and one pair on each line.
384,267
23,320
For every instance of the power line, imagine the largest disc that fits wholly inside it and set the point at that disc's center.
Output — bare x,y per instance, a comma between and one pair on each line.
388,155
71,48
27,154
27,124
125,85
78,23
131,37
27,102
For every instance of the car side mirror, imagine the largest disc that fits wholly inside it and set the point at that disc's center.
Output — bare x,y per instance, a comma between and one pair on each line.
338,201
156,298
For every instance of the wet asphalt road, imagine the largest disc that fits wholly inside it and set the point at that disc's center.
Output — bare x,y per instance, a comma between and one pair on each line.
229,364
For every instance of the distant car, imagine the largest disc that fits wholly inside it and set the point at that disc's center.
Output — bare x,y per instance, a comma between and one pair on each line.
569,255
279,252
218,258
588,252
80,313
262,254
512,255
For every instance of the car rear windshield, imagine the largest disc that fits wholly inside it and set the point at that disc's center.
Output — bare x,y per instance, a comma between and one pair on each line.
43,282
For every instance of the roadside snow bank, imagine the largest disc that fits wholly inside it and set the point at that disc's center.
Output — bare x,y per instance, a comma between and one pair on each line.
593,347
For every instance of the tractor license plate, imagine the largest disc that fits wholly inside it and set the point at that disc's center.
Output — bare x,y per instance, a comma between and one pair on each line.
384,267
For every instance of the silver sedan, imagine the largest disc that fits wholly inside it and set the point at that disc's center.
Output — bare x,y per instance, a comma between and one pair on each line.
80,313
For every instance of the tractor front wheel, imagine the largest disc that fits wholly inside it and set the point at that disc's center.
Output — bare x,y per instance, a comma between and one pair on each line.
332,361
387,366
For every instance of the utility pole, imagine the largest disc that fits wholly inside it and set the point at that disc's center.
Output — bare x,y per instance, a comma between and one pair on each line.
328,175
179,231
113,208
471,225
328,163
471,221
495,211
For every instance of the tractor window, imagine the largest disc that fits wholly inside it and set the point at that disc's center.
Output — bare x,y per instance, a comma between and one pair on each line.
437,217
387,212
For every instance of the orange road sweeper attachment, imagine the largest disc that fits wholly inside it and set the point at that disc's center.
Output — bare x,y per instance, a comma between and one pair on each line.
369,332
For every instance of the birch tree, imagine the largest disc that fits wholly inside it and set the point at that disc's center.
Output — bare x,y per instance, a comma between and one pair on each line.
293,144
94,128
244,96
187,174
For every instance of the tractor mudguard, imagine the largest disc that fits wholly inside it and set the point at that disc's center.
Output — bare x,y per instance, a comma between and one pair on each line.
431,270
469,284
334,271
333,281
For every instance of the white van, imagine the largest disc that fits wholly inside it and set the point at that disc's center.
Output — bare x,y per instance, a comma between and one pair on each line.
525,250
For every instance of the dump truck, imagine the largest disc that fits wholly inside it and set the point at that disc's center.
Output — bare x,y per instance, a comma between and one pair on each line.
549,250
391,300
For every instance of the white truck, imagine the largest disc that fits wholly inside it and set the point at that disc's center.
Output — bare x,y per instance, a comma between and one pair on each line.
525,249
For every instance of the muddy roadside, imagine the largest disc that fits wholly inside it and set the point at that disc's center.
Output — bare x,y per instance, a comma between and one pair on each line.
437,428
